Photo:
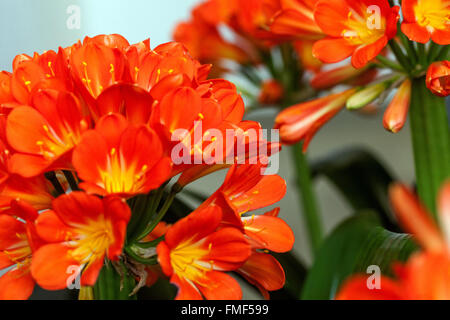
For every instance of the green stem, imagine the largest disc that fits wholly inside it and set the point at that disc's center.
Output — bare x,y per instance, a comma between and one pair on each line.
431,142
307,196
112,286
401,58
390,64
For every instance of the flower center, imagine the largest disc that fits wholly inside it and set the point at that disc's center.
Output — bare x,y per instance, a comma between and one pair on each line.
95,238
434,14
365,29
120,177
187,261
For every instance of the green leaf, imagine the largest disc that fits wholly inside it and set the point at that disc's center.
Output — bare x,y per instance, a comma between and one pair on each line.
362,179
356,244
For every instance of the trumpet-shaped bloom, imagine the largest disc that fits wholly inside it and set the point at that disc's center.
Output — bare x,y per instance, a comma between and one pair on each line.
96,67
119,158
397,111
46,71
45,133
302,121
360,29
296,19
246,189
36,191
425,19
18,241
80,232
438,78
195,253
340,75
425,276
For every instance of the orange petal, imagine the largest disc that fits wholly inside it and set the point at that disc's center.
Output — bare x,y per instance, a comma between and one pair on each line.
223,287
331,50
229,249
50,227
197,225
186,290
415,32
356,288
415,218
366,53
269,232
16,284
50,266
265,270
444,211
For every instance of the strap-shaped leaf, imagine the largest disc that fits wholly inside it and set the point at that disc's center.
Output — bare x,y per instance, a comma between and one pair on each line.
356,244
361,178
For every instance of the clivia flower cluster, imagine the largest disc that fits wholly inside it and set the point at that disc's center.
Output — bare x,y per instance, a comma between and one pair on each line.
313,58
86,145
323,32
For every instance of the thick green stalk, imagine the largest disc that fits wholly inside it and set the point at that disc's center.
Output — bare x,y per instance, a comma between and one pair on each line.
112,286
431,142
308,198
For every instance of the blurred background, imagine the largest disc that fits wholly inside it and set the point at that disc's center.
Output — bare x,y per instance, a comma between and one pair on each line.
30,25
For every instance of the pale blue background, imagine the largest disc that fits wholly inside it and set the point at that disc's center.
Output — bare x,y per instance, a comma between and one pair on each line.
38,25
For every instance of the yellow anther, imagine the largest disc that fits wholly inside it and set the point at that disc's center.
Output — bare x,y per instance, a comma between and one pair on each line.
45,127
144,167
27,83
113,151
201,116
40,143
84,63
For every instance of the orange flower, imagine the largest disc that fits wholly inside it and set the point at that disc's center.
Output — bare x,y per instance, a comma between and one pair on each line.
266,232
246,189
352,30
302,121
195,34
47,71
195,252
44,135
249,147
425,19
425,276
80,231
96,67
271,92
341,75
18,240
119,158
296,19
438,78
5,88
36,191
397,111
254,17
